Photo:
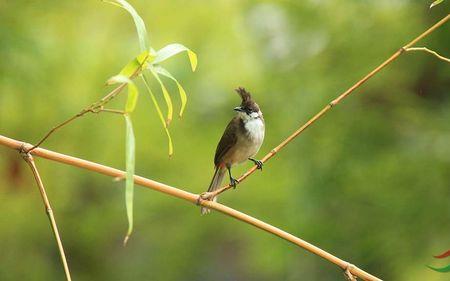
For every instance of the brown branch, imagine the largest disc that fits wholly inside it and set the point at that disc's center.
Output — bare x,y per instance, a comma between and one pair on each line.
48,209
116,111
96,107
190,197
424,49
208,195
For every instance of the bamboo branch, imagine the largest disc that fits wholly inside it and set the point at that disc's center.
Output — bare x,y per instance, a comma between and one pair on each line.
48,209
209,195
424,49
190,197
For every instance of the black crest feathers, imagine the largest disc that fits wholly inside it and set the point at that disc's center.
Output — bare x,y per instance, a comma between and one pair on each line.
244,94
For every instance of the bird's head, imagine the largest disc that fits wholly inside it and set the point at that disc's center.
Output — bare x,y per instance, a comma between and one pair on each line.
248,109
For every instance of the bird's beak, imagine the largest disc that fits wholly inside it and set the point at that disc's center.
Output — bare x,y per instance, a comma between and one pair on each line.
239,109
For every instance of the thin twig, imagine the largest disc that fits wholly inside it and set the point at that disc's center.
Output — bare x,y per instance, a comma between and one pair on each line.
93,108
348,274
96,107
190,197
116,111
209,195
48,209
424,49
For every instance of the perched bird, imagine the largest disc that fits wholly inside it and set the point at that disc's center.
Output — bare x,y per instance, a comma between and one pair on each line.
240,142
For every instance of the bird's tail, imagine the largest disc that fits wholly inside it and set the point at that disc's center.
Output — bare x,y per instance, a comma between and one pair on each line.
215,184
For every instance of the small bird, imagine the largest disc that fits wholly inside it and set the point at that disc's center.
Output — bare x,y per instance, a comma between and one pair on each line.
241,140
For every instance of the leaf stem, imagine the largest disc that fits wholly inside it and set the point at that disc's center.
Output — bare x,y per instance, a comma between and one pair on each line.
113,111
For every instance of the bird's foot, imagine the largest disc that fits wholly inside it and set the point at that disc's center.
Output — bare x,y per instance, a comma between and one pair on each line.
259,164
233,182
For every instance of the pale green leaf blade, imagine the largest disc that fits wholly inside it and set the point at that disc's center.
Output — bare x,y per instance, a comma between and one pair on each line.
133,92
160,115
132,98
166,96
129,177
183,96
435,3
136,65
139,23
173,49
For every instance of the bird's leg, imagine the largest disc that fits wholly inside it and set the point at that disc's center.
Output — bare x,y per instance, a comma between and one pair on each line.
259,164
233,181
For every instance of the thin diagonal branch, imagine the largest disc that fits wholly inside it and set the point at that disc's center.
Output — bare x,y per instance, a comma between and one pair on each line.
48,209
96,107
190,197
424,49
208,195
93,108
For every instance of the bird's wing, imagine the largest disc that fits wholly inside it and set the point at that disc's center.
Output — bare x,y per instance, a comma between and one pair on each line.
228,140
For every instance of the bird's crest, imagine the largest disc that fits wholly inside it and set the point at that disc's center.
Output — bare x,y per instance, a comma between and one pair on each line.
244,94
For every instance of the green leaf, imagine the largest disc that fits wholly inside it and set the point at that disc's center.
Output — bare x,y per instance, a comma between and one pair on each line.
158,109
435,3
133,92
173,49
440,269
140,25
136,65
183,96
166,96
129,177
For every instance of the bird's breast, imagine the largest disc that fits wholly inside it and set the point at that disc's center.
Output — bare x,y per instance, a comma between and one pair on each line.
249,139
255,130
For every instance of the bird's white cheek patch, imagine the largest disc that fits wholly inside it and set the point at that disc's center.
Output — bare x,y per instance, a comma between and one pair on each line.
254,115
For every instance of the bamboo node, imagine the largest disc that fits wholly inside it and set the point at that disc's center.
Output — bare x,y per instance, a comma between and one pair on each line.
205,196
199,200
25,153
347,272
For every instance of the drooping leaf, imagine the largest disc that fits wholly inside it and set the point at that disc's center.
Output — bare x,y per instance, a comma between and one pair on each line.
139,23
173,49
435,3
161,70
161,117
136,65
133,92
129,177
166,95
444,269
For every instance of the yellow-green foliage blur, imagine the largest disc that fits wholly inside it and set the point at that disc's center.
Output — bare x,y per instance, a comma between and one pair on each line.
370,182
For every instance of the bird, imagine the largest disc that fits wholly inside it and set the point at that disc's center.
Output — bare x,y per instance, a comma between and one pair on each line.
240,141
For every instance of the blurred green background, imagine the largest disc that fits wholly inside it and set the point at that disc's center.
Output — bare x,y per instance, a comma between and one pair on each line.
370,182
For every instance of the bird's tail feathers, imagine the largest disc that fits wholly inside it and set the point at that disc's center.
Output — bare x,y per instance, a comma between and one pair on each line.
214,185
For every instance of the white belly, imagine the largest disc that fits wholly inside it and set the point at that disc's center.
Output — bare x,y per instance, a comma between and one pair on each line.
249,144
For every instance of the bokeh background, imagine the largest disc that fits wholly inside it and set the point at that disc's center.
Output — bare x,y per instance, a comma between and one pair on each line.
370,182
